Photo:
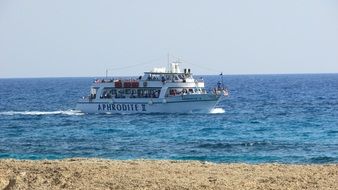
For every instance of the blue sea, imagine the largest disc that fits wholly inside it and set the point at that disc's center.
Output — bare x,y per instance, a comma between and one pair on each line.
266,118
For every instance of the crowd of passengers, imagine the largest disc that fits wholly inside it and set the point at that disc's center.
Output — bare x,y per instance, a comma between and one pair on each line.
185,91
146,94
149,94
132,94
164,78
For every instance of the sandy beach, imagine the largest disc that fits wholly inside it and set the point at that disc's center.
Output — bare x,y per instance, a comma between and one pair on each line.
149,174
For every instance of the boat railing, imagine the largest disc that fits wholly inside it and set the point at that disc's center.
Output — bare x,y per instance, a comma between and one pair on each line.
103,80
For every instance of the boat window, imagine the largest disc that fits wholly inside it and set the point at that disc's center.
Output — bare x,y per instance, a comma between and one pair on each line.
120,93
146,93
168,77
184,91
93,92
133,93
107,93
130,93
174,92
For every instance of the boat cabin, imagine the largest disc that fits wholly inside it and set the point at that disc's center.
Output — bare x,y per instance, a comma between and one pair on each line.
158,83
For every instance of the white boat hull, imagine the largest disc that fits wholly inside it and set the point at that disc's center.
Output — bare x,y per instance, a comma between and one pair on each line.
189,105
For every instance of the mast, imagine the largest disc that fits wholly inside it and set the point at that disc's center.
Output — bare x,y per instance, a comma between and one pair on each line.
168,62
222,80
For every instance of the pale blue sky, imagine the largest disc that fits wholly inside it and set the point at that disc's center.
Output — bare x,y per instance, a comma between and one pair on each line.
41,38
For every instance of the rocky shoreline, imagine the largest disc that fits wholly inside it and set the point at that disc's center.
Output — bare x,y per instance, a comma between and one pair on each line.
158,174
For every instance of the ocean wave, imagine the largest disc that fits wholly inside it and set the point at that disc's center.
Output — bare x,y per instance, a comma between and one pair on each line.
60,112
217,110
323,160
233,145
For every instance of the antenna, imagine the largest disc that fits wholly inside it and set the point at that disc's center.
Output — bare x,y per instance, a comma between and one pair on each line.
106,73
168,61
222,80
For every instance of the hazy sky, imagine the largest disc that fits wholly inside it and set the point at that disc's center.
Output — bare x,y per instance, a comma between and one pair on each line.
41,38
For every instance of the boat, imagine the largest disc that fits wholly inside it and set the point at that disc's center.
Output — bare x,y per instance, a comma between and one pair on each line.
162,90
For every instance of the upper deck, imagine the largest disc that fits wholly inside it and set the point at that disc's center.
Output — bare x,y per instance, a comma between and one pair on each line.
158,77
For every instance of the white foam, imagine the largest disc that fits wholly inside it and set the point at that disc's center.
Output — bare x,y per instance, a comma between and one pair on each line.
217,110
67,112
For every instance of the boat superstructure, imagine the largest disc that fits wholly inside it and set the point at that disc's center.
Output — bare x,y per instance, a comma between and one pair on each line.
158,91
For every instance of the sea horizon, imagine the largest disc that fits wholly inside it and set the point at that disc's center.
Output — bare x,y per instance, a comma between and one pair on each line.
224,74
